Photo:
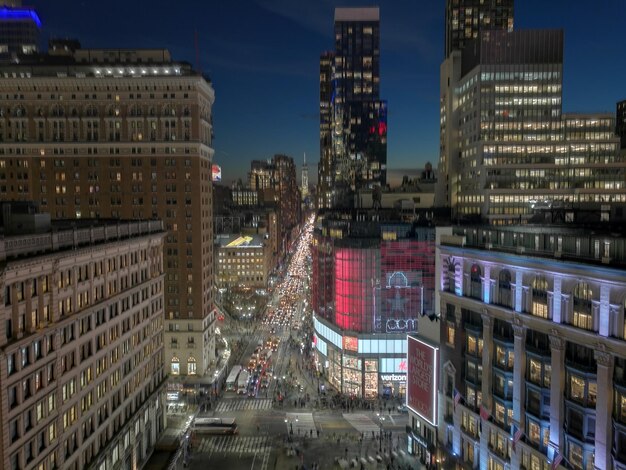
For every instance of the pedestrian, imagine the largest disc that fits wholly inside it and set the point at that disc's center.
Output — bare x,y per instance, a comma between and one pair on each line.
318,433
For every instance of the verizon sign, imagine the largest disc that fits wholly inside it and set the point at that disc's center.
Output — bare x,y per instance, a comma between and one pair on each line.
422,370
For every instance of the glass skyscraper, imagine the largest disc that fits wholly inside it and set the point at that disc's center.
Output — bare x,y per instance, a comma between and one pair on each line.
353,118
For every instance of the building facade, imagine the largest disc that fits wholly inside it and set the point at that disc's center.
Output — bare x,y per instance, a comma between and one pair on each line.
373,282
353,118
533,339
122,134
19,31
508,150
82,351
620,123
243,261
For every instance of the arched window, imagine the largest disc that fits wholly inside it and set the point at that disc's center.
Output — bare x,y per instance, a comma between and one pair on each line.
540,297
476,285
504,288
175,366
451,276
583,313
91,111
191,365
57,111
169,110
19,111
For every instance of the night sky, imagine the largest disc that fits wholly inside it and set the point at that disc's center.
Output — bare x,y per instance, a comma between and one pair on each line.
263,59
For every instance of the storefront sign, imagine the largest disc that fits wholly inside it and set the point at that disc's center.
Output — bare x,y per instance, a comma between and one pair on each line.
350,343
422,379
393,377
172,396
401,325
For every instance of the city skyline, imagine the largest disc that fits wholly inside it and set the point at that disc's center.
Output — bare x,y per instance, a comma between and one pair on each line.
253,67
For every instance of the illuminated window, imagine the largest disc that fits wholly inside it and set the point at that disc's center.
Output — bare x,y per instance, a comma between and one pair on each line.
191,366
450,335
540,297
175,366
583,316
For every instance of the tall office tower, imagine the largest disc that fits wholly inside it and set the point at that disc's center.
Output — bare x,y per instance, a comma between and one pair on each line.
533,336
325,168
19,31
620,123
82,344
357,144
466,18
122,134
304,187
507,151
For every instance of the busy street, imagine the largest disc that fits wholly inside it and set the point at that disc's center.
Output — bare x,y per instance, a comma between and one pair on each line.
274,410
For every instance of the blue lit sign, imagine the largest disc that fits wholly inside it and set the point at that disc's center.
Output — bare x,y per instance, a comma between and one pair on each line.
19,14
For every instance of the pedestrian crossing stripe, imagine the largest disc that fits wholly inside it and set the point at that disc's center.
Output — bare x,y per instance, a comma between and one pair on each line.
234,444
361,423
244,405
301,424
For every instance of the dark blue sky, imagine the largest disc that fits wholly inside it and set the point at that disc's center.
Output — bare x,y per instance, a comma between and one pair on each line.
263,59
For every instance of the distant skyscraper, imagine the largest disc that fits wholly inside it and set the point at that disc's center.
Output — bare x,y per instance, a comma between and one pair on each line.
620,123
353,119
305,179
19,30
506,149
465,18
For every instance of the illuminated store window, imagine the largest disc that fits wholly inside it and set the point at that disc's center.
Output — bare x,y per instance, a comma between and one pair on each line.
540,297
175,366
583,314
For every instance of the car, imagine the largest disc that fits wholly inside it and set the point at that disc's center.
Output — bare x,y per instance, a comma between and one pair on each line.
265,382
402,409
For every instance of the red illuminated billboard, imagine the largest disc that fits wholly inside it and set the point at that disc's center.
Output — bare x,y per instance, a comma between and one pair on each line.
422,371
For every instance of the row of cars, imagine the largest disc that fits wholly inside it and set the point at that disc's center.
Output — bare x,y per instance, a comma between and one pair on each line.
291,288
259,366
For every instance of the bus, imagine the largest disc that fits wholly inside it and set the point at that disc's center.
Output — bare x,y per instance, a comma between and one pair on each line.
231,381
242,382
214,426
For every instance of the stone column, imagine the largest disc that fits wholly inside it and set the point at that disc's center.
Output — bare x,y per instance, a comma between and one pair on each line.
604,407
604,323
519,291
557,386
556,300
486,281
488,349
519,371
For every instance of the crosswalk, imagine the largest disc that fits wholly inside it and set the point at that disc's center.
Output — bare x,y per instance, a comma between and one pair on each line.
244,405
361,423
302,424
234,445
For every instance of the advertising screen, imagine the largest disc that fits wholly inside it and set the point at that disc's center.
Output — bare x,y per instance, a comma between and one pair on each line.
423,363
216,173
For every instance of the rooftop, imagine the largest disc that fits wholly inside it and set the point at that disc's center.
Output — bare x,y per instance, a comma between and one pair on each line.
75,233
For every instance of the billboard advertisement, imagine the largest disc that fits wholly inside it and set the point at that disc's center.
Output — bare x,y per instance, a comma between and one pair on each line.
216,173
423,364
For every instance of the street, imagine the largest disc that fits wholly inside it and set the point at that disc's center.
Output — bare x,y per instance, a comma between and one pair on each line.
282,421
